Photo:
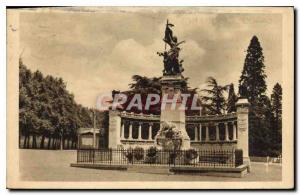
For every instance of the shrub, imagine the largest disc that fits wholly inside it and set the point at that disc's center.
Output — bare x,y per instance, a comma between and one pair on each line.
138,153
152,151
151,155
191,154
129,155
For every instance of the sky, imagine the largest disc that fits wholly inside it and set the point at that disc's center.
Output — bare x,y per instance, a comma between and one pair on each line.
98,50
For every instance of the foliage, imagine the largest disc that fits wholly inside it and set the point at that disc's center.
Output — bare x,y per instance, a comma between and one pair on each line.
252,82
144,85
276,124
252,85
47,109
138,153
232,99
151,155
129,155
215,100
152,151
190,155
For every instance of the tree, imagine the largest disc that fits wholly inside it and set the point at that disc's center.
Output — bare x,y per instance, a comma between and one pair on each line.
214,100
49,111
232,99
252,83
276,103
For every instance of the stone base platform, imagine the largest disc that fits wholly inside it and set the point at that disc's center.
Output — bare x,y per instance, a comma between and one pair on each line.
236,172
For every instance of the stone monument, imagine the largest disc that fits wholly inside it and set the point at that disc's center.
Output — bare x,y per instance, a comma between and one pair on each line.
173,83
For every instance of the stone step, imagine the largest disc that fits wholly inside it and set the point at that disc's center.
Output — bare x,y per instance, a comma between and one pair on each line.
150,169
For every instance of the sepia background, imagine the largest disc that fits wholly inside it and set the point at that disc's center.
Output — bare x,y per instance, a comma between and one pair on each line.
91,50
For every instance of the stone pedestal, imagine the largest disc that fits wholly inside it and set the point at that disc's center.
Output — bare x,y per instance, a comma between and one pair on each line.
114,129
242,107
172,110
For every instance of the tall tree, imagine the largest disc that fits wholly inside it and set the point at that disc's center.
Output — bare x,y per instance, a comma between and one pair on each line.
252,84
214,100
276,102
232,99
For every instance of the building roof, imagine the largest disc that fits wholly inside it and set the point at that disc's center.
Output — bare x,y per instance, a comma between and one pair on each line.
87,130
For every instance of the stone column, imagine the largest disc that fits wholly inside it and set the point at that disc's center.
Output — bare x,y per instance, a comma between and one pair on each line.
123,130
200,132
234,131
196,133
217,132
242,107
140,131
226,132
206,133
150,131
130,130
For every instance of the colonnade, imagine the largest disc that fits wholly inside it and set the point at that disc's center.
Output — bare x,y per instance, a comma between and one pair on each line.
198,131
198,128
150,131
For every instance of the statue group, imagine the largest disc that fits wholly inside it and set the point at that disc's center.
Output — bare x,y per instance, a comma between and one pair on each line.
172,64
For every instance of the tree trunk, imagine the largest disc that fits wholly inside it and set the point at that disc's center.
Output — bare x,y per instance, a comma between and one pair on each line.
62,141
25,141
53,142
34,141
42,142
49,142
28,142
68,143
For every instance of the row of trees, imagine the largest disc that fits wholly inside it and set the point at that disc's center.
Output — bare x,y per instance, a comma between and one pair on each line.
265,112
48,114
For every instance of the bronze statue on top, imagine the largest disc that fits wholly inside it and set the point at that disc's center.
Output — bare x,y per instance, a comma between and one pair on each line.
172,65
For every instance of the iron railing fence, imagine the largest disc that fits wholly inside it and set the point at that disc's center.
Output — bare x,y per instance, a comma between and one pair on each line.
195,158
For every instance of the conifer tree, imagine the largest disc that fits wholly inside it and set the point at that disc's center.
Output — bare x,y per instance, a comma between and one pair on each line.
252,85
276,103
232,99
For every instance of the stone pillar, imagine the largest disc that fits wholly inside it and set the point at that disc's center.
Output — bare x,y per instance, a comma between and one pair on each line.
242,107
130,130
234,131
226,132
150,131
206,133
200,132
123,130
196,133
217,132
140,131
114,129
171,106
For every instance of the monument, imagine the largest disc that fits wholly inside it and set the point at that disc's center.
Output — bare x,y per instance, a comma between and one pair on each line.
174,129
172,115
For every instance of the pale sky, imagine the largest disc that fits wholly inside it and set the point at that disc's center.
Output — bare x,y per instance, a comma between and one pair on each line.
96,51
